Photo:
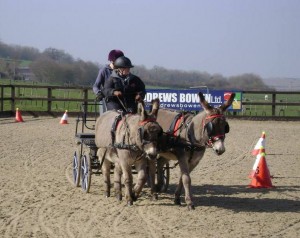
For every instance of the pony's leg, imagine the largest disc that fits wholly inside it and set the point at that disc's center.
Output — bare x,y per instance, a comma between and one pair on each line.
178,191
106,177
197,156
151,177
185,181
127,175
141,177
117,181
160,174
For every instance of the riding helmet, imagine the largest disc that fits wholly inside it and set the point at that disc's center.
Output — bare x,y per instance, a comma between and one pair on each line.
123,62
114,54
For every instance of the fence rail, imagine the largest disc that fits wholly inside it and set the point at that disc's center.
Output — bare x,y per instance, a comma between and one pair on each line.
11,96
53,99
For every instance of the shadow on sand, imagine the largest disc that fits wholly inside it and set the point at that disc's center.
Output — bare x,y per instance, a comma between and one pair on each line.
234,197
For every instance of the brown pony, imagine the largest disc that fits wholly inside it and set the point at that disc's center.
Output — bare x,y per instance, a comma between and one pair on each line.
185,139
134,140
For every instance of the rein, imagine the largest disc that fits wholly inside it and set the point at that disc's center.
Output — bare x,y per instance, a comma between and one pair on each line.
122,104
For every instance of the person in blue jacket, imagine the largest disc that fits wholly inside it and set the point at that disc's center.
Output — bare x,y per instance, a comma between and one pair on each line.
123,89
104,74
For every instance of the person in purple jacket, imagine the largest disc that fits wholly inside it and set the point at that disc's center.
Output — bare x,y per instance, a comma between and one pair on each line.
104,74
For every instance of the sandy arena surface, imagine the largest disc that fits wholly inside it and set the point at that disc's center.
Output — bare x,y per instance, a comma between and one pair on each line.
38,199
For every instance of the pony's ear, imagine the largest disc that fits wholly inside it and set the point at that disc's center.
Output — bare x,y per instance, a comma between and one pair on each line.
228,103
204,103
154,107
141,111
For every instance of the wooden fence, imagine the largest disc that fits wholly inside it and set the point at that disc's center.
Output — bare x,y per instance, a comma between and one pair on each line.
12,95
254,103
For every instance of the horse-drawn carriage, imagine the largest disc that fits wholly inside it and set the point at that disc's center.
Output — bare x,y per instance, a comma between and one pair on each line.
184,140
85,159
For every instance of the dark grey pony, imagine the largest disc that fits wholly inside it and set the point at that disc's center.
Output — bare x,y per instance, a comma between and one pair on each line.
185,139
134,140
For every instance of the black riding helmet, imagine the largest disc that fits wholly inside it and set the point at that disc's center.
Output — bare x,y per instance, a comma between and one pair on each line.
122,62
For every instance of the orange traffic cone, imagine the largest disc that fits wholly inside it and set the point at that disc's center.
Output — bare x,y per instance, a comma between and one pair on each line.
256,163
18,116
262,178
260,142
64,119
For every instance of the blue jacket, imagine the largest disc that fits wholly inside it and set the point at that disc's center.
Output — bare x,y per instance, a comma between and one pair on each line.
103,75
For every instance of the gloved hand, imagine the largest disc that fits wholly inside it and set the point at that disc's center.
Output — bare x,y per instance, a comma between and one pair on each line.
99,96
138,97
118,93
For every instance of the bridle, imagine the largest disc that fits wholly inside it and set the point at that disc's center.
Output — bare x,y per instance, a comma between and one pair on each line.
208,126
141,130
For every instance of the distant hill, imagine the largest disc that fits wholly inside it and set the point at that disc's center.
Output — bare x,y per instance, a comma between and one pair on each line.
283,84
55,66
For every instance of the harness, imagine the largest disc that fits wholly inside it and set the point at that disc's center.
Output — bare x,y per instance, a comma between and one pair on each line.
128,146
179,123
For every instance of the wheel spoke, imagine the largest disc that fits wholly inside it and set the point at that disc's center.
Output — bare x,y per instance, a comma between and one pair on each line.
85,173
76,168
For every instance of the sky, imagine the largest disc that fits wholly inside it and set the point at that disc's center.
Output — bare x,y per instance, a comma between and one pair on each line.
227,37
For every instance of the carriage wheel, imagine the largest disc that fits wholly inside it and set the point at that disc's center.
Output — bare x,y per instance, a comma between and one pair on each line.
163,178
76,167
86,172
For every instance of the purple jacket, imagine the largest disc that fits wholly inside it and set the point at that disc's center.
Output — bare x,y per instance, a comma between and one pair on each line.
103,75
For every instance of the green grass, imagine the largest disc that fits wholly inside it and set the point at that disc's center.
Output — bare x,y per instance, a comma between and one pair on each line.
265,110
41,105
25,63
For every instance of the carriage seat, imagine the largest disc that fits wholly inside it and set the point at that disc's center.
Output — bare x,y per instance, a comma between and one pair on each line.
87,139
85,135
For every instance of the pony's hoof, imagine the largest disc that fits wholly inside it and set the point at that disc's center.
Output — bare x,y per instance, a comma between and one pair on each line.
119,197
191,207
129,203
154,197
107,195
177,201
134,197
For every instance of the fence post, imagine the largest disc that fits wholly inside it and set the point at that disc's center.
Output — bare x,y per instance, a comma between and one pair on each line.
85,97
2,100
49,99
13,95
273,104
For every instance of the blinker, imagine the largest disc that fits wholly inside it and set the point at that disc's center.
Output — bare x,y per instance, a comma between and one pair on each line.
210,128
227,128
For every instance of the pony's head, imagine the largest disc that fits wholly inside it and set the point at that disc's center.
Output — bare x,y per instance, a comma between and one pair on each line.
149,130
214,124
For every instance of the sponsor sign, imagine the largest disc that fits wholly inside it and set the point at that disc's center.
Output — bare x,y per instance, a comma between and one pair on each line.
188,99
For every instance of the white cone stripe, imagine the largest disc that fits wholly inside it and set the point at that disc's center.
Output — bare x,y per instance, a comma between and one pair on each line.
256,162
261,142
65,117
